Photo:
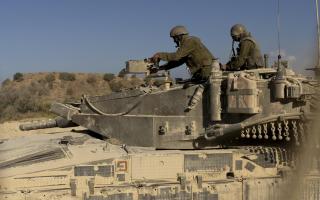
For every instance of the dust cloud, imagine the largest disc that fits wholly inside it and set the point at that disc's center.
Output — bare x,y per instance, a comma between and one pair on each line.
304,182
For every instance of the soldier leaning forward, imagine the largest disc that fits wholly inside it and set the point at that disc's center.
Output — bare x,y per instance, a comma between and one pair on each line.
191,51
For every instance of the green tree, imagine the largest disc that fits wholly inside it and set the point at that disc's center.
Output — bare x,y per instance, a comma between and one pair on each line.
108,77
18,77
65,76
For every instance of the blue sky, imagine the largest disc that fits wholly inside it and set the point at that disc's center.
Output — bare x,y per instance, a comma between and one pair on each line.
100,35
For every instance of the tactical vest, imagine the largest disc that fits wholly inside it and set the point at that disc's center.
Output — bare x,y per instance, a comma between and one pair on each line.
254,58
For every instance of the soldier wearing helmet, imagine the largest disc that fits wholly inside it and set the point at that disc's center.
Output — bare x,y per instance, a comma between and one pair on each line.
191,51
248,54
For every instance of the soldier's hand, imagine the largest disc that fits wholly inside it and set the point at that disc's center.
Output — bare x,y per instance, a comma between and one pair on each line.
153,70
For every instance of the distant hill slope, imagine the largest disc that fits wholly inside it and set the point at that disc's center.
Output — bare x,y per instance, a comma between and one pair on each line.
30,94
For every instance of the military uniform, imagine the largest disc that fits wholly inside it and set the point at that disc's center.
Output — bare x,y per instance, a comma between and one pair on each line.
193,53
248,53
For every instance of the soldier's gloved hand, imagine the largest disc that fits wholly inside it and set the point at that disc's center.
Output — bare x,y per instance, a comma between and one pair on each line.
156,58
153,70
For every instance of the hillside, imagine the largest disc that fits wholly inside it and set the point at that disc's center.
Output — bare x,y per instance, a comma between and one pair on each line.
30,94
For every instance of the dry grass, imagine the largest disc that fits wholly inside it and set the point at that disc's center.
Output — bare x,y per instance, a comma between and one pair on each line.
32,94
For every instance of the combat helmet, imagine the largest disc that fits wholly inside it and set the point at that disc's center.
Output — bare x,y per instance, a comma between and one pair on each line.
178,30
237,31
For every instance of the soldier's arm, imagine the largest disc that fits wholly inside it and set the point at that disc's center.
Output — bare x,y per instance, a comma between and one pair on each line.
172,64
182,52
243,54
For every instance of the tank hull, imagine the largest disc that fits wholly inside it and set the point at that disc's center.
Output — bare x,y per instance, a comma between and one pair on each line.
89,168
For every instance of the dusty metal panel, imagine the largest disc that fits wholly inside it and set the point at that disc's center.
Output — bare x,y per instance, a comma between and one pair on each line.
160,193
249,166
227,191
185,195
165,191
159,197
204,196
218,161
136,66
135,102
179,132
238,165
94,198
28,157
116,96
130,130
145,197
263,189
121,177
105,171
167,194
120,196
156,166
84,171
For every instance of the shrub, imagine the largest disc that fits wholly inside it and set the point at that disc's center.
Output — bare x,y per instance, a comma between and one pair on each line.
25,103
65,76
42,81
6,82
8,96
108,77
50,78
18,76
136,82
69,91
115,86
7,113
92,79
122,84
38,88
50,85
18,102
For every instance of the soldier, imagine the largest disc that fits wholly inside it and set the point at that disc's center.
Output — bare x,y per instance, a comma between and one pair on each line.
191,51
248,52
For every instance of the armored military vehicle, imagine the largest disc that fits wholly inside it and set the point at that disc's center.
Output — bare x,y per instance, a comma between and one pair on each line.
259,106
230,137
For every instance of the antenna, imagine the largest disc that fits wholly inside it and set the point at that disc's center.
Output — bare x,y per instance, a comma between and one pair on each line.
316,69
278,31
318,31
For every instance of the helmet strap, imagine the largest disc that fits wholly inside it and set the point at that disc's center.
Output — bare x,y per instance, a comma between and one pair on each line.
233,52
177,39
